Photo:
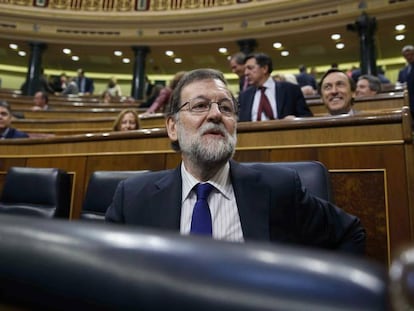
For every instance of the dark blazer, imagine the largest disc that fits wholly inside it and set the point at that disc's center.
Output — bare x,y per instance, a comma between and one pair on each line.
403,74
89,85
13,133
289,99
271,202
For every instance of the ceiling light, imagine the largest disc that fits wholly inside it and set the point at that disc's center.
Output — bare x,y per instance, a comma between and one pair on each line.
126,60
13,46
399,37
75,58
169,53
400,27
118,53
22,53
340,46
277,45
178,60
222,50
284,53
67,51
335,36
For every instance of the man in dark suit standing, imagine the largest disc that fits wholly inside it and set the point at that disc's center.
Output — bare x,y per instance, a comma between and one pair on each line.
212,195
406,75
85,84
285,99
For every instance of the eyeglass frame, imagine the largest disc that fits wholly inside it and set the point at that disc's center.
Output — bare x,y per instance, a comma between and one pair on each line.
211,102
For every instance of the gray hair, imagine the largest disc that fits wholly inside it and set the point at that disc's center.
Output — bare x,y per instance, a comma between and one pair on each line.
374,82
407,48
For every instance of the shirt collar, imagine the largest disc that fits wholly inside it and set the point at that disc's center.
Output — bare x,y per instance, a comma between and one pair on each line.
5,132
221,181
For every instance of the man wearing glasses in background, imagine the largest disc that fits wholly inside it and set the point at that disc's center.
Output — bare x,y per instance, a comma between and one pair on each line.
210,194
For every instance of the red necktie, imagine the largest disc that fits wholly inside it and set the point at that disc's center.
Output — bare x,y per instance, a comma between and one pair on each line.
264,105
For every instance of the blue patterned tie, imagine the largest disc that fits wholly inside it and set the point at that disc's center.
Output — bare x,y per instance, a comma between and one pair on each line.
201,220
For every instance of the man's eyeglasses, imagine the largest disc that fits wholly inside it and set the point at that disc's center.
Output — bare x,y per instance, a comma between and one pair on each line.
201,105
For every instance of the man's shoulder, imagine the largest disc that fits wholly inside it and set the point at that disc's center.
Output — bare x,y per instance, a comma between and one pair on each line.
148,177
13,133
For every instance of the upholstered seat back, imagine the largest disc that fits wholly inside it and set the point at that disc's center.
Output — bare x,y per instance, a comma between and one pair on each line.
98,266
313,175
100,190
43,192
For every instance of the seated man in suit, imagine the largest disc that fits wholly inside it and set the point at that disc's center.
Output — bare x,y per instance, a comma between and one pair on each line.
41,101
368,85
208,193
280,99
337,91
6,131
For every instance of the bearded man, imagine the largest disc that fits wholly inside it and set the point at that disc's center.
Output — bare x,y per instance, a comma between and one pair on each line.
212,195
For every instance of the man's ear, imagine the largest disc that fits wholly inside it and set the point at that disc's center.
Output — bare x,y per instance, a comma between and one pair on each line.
170,124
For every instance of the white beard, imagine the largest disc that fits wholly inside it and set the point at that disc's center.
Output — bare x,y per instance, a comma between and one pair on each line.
204,150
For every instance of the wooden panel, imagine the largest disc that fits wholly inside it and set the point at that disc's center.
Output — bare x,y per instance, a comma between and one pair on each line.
27,124
363,193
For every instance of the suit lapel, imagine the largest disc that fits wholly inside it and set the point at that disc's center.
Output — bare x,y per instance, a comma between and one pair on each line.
280,99
166,200
248,103
253,200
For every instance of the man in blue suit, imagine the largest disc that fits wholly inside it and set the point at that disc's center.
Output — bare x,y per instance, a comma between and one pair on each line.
6,131
406,75
245,204
286,99
85,84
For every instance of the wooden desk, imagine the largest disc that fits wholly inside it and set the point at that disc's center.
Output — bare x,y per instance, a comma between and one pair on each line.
88,123
74,113
370,158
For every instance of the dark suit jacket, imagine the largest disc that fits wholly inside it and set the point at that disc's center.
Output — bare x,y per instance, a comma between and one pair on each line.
403,74
89,85
271,202
13,133
289,101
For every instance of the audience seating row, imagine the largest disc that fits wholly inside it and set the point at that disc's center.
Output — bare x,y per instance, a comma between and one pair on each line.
72,121
275,280
51,197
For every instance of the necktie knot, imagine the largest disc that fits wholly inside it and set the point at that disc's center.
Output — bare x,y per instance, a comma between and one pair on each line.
203,191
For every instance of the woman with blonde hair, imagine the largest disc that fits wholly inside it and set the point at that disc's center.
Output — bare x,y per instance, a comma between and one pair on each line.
127,120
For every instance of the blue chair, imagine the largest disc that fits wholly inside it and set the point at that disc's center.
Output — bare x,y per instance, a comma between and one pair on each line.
40,192
100,190
313,175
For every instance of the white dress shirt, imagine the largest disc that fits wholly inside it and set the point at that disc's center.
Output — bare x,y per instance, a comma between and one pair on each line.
222,202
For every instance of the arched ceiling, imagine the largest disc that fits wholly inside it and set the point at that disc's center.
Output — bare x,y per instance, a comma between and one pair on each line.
303,27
